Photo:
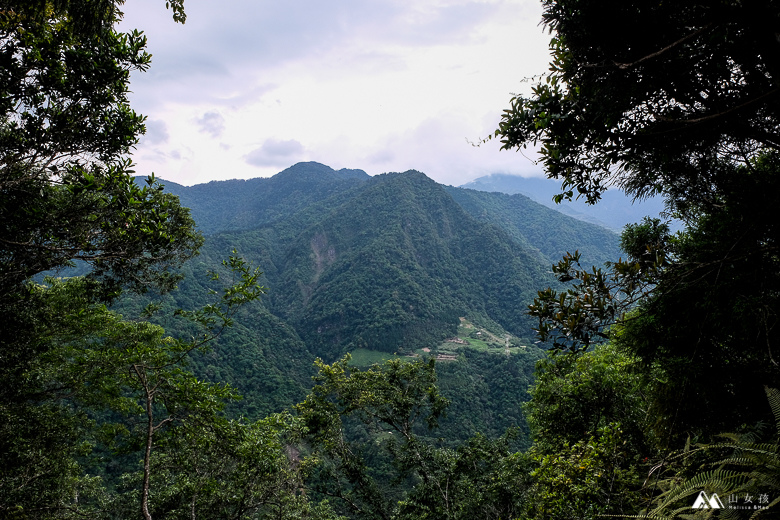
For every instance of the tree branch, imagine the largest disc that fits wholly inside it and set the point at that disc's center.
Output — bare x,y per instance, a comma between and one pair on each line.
669,47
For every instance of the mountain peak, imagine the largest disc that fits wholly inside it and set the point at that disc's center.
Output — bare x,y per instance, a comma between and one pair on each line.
314,171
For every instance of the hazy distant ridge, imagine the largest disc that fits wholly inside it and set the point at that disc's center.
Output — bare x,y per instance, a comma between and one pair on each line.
613,211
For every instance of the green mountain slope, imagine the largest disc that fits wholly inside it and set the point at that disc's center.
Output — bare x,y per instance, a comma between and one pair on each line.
550,231
614,210
242,204
387,263
396,265
391,262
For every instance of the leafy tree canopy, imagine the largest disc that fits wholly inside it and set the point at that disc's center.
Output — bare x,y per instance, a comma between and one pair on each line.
394,403
652,96
65,129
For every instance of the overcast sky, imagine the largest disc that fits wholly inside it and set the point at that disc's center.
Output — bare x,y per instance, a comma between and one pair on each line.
247,88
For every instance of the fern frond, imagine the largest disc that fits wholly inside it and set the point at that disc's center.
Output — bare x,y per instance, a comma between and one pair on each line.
747,467
773,394
719,480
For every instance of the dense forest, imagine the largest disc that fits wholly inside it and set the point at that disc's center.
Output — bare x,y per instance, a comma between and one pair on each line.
393,265
327,344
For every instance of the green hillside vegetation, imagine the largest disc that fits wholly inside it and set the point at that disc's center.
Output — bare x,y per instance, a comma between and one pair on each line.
530,224
392,263
363,357
243,204
393,266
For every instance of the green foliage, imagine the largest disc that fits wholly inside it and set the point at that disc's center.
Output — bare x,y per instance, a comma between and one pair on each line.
678,99
233,469
392,398
590,422
651,99
65,124
597,298
67,195
531,224
486,393
405,257
575,396
233,205
592,478
387,263
364,358
105,416
482,478
709,322
389,267
704,303
263,359
109,383
689,112
740,468
396,394
394,471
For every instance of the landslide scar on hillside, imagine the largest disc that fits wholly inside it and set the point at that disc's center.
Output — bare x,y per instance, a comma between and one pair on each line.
324,255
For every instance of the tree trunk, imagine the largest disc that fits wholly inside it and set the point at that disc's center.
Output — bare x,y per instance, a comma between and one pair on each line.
148,448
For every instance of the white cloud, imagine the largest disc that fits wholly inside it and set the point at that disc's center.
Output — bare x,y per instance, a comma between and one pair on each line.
381,157
211,123
275,152
156,132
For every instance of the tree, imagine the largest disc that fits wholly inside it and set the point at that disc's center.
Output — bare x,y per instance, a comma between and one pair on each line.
592,478
573,318
590,421
82,384
679,99
95,365
65,128
389,400
741,468
574,396
397,471
66,194
66,191
652,97
234,469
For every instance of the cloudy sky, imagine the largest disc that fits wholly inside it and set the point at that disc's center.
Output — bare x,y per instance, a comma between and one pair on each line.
247,88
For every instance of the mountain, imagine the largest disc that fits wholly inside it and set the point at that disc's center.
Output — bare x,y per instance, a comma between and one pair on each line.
613,211
549,231
390,262
242,204
377,266
396,266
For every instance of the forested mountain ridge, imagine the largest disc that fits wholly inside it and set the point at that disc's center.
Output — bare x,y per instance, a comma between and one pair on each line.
397,265
241,204
388,262
548,230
